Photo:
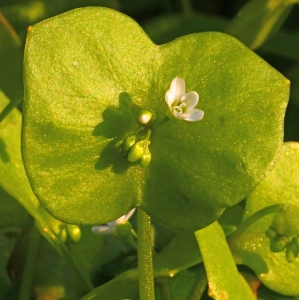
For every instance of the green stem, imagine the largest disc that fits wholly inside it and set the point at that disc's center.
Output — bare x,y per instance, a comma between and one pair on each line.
186,7
31,255
73,263
9,29
134,234
164,288
132,243
199,285
145,262
251,220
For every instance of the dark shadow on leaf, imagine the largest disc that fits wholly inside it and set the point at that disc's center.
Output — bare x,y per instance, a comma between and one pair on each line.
3,153
116,125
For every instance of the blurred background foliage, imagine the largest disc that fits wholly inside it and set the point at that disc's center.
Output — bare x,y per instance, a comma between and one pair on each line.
163,21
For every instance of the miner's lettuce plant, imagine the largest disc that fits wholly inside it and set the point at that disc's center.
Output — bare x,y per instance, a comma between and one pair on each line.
181,133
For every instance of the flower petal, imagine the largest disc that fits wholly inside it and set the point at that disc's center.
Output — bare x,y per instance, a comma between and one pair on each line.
194,115
178,87
170,98
130,214
103,229
179,115
191,99
176,91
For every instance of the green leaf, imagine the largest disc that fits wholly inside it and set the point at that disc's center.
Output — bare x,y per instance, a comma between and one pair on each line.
225,282
252,248
12,174
86,74
181,253
258,19
121,287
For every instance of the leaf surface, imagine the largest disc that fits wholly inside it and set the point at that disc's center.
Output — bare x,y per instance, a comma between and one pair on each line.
252,248
89,70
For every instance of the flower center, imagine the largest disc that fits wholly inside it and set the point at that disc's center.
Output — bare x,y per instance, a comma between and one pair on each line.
181,108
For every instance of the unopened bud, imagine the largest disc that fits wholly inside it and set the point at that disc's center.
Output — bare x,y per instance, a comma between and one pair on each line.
145,159
270,233
62,235
128,143
144,116
278,244
137,150
123,230
292,250
74,232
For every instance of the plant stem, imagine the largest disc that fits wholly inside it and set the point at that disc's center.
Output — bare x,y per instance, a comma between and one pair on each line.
252,219
145,262
9,29
72,262
186,7
31,255
199,285
163,284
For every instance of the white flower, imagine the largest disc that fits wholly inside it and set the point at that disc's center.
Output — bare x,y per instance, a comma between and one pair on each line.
110,227
182,104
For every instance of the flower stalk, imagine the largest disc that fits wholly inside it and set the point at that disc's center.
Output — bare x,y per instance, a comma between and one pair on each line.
145,262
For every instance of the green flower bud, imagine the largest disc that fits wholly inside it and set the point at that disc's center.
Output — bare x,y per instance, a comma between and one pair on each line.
74,232
270,233
62,235
292,250
127,144
144,116
278,244
137,150
123,230
286,221
145,159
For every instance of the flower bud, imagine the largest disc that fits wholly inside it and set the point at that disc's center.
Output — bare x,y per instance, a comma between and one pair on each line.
292,250
144,116
62,235
74,232
123,230
137,150
270,233
286,221
128,143
145,159
278,244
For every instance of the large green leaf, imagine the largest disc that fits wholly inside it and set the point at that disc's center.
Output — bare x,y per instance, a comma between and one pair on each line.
86,70
225,282
258,19
252,247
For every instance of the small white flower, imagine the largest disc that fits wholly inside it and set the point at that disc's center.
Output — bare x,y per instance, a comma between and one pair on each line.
110,227
182,104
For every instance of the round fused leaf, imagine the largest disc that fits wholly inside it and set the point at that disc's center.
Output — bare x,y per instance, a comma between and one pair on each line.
253,247
88,71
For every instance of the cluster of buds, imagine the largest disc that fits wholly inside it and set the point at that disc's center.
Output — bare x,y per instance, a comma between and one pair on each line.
71,231
136,146
283,233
